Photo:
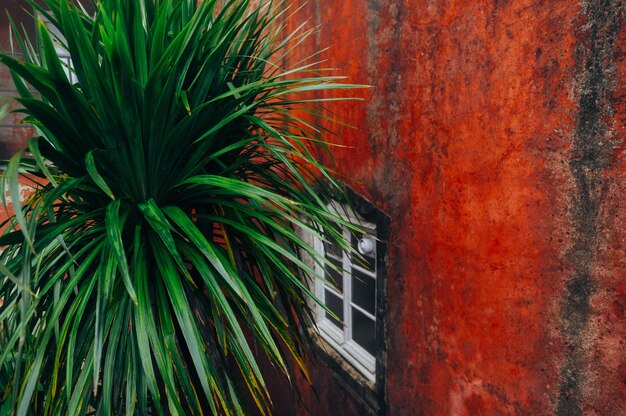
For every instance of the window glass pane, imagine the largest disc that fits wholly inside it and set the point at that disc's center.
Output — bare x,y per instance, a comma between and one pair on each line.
335,304
364,331
367,262
332,249
364,291
334,274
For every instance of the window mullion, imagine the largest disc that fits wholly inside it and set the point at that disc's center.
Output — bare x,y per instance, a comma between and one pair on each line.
319,279
363,311
347,289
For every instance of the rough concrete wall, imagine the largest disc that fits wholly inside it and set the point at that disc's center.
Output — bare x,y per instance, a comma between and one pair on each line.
493,136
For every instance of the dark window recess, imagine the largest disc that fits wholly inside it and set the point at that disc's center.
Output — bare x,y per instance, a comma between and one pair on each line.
364,331
335,304
359,290
364,291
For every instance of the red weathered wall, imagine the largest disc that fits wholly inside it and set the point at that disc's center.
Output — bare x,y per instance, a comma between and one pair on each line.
493,136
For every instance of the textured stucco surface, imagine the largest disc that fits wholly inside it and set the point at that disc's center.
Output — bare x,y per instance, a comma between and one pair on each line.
493,137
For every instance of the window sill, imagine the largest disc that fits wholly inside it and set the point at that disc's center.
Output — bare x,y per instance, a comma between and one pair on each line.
349,355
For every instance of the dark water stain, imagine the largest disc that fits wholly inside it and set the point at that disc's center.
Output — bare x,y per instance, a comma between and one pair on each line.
592,146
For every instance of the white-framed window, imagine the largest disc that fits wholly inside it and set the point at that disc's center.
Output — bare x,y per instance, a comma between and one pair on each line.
349,290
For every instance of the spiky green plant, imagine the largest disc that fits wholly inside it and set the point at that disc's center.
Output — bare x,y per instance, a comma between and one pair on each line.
161,238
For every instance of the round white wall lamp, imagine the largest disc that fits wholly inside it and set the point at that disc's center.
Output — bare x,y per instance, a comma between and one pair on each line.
366,245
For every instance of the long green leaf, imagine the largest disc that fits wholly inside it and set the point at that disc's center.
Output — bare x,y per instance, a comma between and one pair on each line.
114,226
90,164
12,176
